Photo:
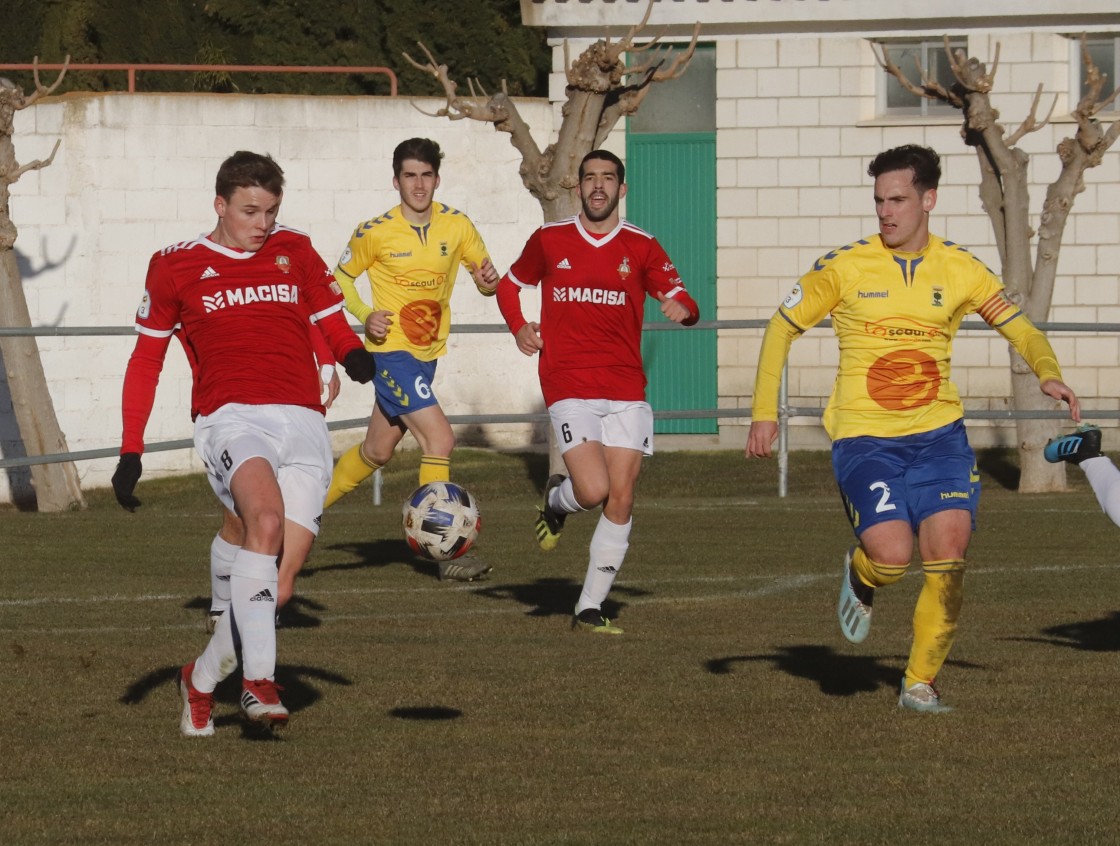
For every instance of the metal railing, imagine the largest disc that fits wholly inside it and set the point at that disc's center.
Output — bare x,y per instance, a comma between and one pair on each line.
132,68
786,412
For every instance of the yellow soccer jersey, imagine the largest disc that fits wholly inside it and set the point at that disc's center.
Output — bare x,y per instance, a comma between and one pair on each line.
411,272
895,315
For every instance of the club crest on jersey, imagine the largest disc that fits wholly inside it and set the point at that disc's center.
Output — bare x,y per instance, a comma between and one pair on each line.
443,249
794,296
624,268
283,264
938,297
247,296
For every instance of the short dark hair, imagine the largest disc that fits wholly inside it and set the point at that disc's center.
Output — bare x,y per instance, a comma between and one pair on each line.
606,156
923,161
249,170
421,149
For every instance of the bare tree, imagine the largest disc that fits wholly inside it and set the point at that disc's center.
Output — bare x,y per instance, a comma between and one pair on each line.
1004,193
56,485
601,89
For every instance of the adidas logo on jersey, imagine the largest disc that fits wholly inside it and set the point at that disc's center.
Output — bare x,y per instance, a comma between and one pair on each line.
247,296
264,596
563,264
208,273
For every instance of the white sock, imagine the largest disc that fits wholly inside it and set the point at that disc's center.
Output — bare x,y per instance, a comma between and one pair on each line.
252,586
222,553
608,548
562,498
1105,479
219,659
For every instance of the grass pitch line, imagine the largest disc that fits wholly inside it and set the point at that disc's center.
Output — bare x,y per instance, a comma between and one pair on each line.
777,586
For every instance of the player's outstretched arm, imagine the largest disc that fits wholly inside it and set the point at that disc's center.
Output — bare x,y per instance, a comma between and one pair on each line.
1059,390
137,399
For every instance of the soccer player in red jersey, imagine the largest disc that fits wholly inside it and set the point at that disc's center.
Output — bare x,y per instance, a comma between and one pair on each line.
241,296
595,270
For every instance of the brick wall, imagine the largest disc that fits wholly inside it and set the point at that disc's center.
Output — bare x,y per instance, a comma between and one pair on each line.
135,173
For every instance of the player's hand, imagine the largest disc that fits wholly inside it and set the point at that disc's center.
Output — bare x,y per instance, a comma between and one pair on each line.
378,323
672,309
529,339
485,277
358,365
125,478
1062,392
760,439
331,385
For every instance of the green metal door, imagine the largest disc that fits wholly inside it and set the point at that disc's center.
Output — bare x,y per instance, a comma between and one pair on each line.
672,194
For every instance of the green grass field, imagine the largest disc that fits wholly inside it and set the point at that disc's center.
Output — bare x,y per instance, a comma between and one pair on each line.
731,711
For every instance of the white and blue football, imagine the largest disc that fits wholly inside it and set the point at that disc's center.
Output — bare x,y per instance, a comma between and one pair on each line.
441,520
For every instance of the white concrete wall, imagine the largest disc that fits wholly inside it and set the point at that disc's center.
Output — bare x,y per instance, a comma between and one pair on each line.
136,172
797,127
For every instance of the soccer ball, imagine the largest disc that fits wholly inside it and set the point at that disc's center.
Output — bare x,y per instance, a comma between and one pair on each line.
441,520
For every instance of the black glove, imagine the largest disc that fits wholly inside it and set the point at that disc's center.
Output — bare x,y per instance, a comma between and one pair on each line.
125,479
358,365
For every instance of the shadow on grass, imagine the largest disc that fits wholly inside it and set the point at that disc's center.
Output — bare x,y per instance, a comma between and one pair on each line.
296,680
1000,466
375,554
835,673
552,597
1101,635
426,713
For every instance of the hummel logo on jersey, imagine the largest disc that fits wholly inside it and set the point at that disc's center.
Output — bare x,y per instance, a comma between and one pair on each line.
208,273
561,294
563,264
264,596
247,296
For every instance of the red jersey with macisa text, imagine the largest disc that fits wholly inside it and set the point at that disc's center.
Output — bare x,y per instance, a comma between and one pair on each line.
593,290
243,316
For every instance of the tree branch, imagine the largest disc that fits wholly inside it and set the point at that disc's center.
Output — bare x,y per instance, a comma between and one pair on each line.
37,164
930,88
40,90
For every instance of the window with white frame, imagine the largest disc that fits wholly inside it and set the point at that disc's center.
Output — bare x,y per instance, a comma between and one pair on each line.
1104,50
912,57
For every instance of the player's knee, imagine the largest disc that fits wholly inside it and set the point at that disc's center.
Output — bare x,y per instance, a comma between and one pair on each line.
376,454
442,444
621,505
590,494
887,574
266,529
948,577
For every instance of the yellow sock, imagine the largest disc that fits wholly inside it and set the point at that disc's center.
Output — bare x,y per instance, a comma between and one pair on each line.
434,468
935,619
872,573
351,469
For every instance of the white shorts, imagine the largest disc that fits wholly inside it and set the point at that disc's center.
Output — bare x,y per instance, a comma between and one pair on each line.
291,438
628,425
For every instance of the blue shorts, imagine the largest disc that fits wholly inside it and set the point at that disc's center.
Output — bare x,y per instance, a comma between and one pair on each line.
403,383
907,478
